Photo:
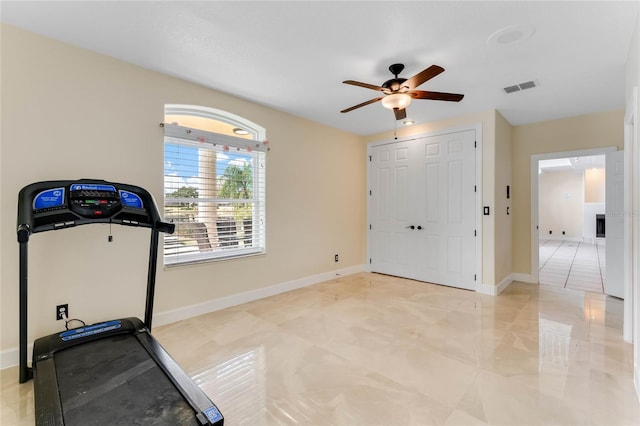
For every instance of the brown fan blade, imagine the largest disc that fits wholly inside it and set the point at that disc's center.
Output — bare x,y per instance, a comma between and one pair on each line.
436,96
423,76
400,113
362,104
365,85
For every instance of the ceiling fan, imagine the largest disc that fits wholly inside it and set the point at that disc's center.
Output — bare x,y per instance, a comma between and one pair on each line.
398,92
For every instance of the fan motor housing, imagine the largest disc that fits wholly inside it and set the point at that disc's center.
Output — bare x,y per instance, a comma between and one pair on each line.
394,84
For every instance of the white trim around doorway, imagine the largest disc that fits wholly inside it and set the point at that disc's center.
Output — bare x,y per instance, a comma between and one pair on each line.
535,158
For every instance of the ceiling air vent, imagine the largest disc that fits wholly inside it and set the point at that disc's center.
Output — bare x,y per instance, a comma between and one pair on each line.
527,85
521,86
511,89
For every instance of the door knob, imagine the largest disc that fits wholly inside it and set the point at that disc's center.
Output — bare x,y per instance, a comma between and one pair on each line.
410,227
419,227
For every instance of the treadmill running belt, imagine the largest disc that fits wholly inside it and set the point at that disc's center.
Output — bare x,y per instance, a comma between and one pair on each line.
114,381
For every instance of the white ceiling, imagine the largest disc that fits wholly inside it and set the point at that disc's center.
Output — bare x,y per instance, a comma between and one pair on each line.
293,55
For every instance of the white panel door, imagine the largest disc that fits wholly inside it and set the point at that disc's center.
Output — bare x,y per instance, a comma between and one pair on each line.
390,209
423,209
445,210
614,225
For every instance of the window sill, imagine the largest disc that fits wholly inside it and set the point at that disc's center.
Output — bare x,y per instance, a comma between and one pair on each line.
219,257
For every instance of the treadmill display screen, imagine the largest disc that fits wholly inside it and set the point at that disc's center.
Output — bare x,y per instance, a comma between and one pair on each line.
94,200
49,199
129,199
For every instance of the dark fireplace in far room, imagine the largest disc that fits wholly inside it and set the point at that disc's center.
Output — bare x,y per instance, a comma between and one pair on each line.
600,231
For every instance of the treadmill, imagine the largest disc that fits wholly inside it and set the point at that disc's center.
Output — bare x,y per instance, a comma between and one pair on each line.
112,372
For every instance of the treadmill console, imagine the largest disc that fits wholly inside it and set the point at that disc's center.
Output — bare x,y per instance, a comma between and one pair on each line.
59,204
94,200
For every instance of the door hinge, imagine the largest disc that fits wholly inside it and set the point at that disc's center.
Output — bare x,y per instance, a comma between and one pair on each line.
475,188
369,158
369,260
475,144
475,232
369,226
369,192
475,277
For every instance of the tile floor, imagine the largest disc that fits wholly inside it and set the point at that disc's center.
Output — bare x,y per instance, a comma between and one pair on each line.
571,264
369,349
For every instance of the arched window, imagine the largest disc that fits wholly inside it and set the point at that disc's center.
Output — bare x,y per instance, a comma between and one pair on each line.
214,185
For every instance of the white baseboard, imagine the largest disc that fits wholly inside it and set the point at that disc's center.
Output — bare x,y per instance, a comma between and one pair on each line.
524,278
486,289
636,380
504,283
10,357
494,290
186,312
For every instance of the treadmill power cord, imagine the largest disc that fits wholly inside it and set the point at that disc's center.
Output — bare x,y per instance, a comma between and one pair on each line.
67,321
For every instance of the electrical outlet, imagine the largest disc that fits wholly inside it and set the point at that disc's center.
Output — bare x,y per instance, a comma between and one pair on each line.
336,258
62,309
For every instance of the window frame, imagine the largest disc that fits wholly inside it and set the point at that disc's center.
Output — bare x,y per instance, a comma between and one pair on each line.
256,148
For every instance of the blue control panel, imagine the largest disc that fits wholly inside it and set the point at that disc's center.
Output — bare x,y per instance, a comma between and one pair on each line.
49,199
78,333
87,199
89,187
52,205
129,199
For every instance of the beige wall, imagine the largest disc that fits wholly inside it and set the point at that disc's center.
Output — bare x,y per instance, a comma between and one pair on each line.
594,185
503,248
69,113
568,134
560,203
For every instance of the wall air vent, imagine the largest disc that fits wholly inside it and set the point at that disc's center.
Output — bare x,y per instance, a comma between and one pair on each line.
521,86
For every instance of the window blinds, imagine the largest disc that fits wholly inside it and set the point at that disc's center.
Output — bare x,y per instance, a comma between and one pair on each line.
214,192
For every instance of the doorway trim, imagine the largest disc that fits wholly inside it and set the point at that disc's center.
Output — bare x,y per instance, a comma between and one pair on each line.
631,150
535,237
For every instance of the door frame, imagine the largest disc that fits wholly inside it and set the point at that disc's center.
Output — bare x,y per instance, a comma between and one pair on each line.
478,202
631,230
535,237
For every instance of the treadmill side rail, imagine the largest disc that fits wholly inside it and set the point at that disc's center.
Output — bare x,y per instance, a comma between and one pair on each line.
189,389
47,399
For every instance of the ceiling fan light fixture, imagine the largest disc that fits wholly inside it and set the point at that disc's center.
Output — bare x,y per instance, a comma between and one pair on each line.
408,122
396,101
